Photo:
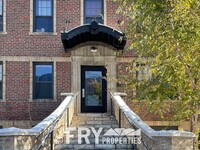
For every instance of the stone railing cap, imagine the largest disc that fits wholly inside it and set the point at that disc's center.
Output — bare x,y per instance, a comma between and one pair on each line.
41,126
67,94
136,121
119,94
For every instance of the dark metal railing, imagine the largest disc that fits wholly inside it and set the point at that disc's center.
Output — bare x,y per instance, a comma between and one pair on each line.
50,129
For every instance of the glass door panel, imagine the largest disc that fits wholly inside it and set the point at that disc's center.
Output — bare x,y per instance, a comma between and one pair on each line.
93,89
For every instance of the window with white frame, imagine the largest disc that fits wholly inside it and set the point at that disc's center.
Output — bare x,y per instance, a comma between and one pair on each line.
143,75
43,16
93,10
143,72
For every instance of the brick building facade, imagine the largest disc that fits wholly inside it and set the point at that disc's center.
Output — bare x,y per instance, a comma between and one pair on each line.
30,40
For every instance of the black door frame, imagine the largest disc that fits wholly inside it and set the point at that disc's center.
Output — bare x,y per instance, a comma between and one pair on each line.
92,109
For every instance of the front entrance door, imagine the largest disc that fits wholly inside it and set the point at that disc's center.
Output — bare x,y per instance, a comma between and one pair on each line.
93,89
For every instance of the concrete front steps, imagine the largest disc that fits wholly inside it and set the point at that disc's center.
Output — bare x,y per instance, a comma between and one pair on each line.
95,120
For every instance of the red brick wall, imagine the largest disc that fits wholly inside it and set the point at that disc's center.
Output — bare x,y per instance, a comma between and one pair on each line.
141,109
112,17
40,110
14,110
17,91
68,10
63,78
18,42
17,81
17,105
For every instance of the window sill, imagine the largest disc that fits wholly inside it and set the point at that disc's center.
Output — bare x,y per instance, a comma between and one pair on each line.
2,100
42,100
3,33
43,33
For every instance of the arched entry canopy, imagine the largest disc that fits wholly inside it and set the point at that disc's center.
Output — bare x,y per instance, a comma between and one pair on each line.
93,32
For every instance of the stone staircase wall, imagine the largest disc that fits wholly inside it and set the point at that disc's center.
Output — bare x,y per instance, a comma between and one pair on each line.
151,139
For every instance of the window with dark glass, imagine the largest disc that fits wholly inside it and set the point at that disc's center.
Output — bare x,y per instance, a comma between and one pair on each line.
43,81
1,81
1,15
43,16
93,10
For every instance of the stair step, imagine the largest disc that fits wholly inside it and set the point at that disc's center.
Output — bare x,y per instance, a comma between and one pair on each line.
74,146
92,146
95,120
75,133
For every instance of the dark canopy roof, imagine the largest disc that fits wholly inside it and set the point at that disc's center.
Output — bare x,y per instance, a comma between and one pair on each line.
93,32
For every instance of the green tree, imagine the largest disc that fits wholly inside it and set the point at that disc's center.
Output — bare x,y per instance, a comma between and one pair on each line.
169,32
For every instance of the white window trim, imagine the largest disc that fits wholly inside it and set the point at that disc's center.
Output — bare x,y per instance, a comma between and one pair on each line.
104,9
4,18
31,20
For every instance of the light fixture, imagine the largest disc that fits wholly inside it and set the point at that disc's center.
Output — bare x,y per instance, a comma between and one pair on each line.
93,49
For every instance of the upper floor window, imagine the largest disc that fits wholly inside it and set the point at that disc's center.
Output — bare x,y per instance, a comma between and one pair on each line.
43,81
93,10
43,16
143,72
143,75
1,80
1,15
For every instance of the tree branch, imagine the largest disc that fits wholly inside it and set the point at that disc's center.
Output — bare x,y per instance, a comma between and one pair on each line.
187,69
